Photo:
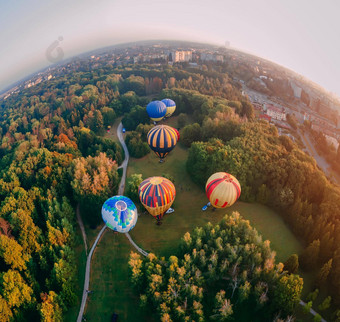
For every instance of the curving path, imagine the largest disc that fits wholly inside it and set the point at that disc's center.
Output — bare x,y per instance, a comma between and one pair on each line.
81,225
89,257
312,311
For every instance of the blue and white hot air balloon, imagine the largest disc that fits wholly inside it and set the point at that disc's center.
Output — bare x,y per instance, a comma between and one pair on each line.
119,214
156,110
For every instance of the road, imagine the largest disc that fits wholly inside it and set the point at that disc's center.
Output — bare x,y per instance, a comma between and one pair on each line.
89,257
322,163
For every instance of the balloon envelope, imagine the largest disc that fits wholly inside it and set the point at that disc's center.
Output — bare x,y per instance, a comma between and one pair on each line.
162,139
119,214
157,195
156,110
178,136
222,189
170,106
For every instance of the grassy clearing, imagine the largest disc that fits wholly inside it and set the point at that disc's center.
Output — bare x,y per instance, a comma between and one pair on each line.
80,258
110,284
112,134
188,214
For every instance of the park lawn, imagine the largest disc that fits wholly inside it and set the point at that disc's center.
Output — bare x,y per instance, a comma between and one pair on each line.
188,214
112,134
112,290
80,258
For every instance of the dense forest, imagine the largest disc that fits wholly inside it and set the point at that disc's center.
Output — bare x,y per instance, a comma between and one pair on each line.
221,272
54,155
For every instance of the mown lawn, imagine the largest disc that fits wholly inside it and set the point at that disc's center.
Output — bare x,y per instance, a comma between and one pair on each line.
112,291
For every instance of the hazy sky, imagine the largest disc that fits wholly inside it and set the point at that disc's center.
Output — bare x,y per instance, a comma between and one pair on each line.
302,35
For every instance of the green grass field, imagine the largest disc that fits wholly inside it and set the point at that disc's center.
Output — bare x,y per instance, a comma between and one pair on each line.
112,291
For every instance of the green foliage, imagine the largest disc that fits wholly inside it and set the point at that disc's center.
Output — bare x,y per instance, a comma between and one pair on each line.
292,264
136,116
287,292
109,115
310,255
313,295
191,133
323,274
181,120
306,308
132,185
136,146
227,262
325,304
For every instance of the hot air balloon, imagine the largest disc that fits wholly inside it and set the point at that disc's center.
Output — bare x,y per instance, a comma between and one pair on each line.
157,195
170,106
178,136
222,189
156,110
162,139
119,214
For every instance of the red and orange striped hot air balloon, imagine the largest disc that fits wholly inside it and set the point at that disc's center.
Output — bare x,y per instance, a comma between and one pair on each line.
222,189
157,195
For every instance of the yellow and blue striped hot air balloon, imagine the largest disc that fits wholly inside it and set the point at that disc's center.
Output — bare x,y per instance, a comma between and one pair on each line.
170,106
119,214
156,110
222,189
157,195
162,139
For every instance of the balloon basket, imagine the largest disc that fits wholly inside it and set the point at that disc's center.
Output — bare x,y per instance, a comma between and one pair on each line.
158,223
161,160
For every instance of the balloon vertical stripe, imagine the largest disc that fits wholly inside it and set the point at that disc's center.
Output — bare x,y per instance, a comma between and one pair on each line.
222,189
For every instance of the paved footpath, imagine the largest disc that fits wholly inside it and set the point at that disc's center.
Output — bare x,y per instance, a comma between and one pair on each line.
89,257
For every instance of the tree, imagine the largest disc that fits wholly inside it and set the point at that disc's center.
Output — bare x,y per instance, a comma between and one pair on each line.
310,255
109,115
313,295
263,194
181,120
137,148
50,309
12,253
191,133
223,307
228,258
5,311
94,180
317,318
306,308
5,227
132,186
292,264
247,110
14,289
324,273
288,292
325,304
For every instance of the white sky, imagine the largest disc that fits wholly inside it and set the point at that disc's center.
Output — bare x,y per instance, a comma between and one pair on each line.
303,35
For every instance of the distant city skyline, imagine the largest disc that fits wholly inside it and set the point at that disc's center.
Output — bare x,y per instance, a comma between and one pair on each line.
301,36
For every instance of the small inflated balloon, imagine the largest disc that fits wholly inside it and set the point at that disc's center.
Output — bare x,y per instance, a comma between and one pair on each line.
222,189
119,214
157,195
170,106
156,110
162,139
